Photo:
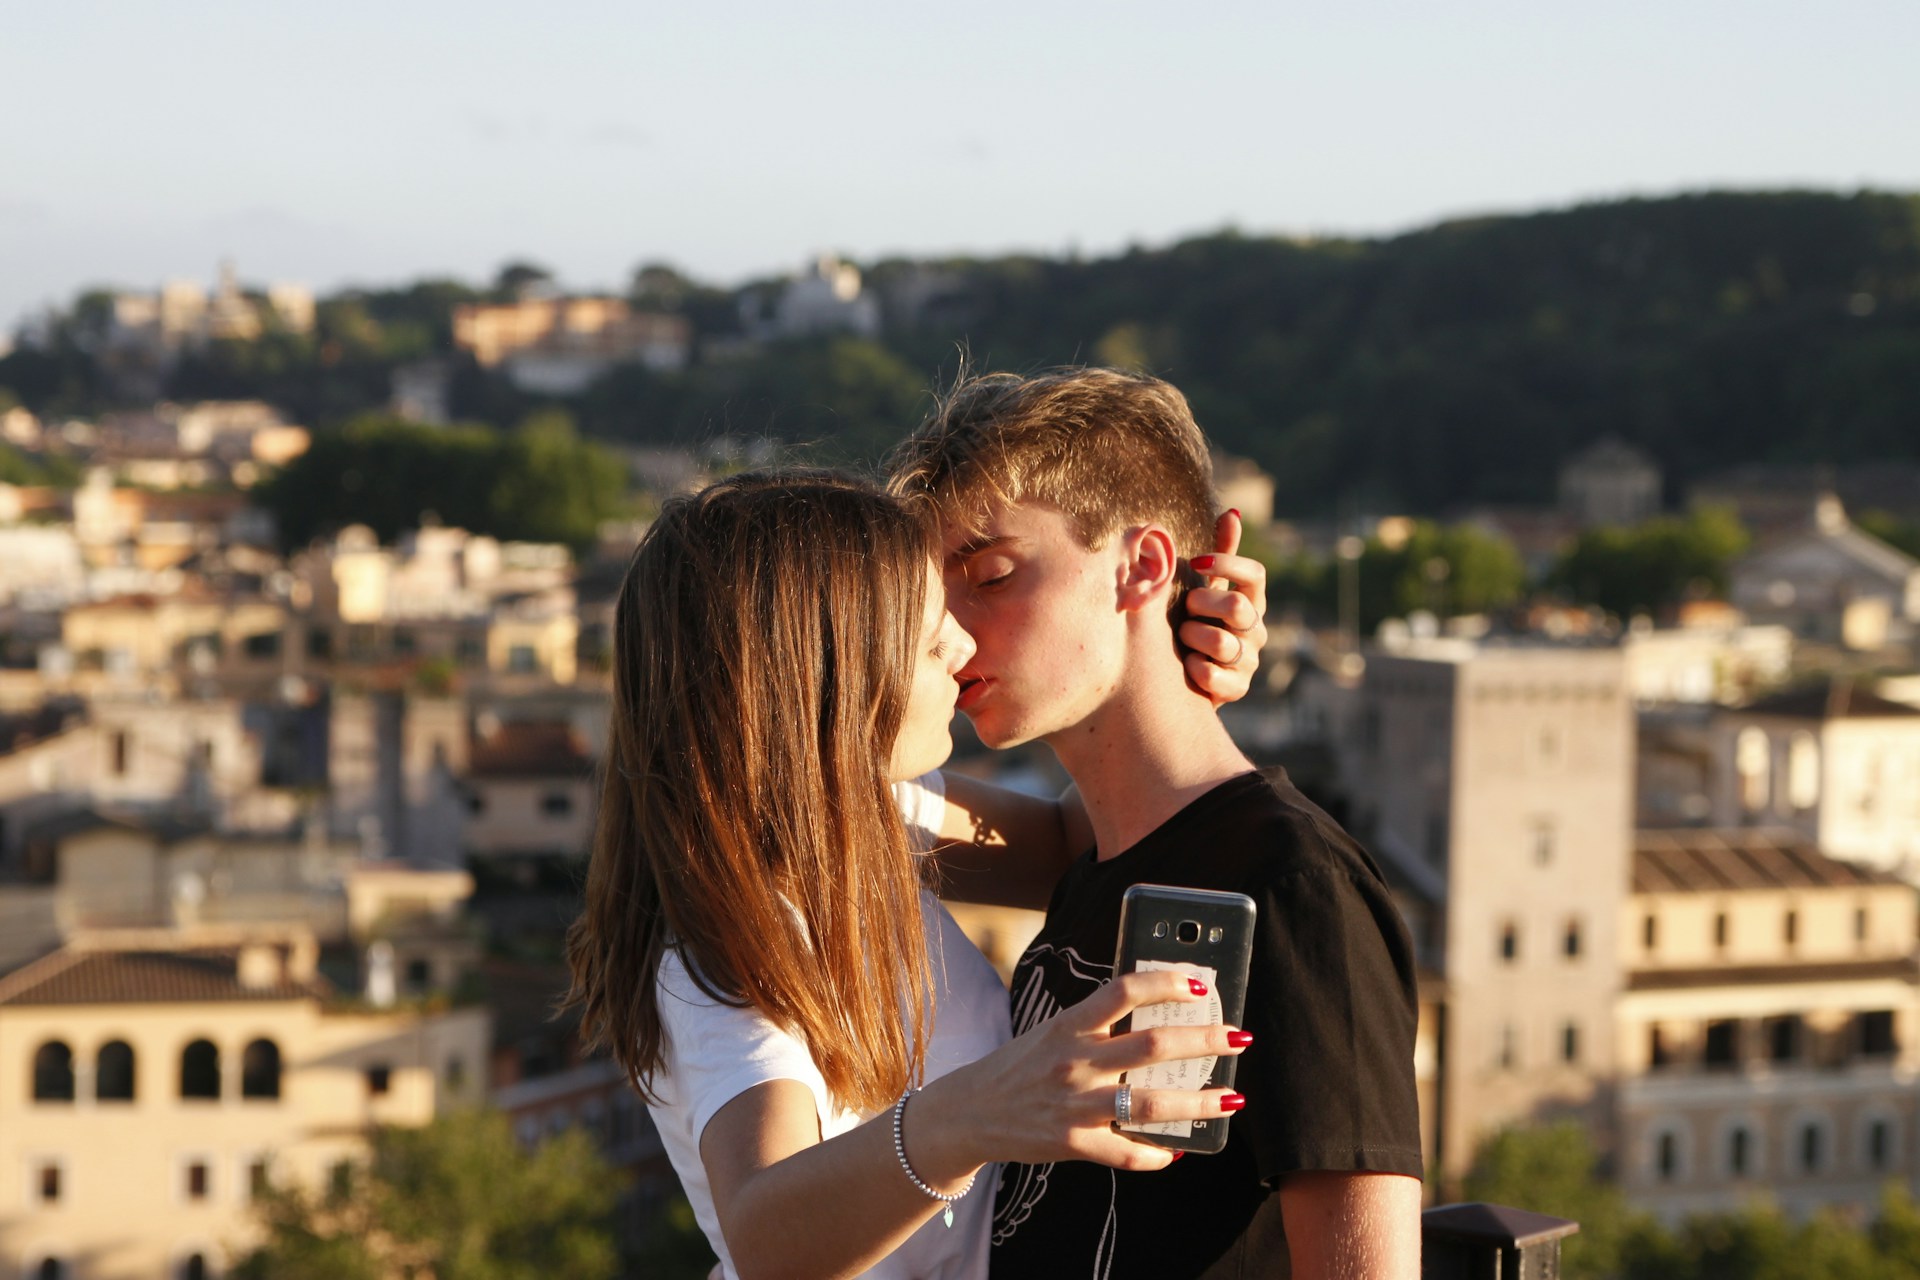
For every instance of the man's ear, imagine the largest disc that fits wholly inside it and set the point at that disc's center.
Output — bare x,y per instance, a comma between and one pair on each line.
1149,569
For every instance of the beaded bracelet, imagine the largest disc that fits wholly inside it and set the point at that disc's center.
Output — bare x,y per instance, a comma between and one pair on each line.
900,1149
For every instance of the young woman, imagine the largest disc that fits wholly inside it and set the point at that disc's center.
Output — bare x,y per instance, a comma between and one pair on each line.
758,949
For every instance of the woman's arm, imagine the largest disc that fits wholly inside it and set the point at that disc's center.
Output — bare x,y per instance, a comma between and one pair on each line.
792,1205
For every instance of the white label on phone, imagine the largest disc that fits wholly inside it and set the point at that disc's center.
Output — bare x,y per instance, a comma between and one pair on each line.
1186,1073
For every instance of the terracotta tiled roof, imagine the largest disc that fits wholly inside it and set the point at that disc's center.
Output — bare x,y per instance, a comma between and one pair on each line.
1698,860
74,976
530,749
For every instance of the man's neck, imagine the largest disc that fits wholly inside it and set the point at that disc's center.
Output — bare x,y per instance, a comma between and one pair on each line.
1144,755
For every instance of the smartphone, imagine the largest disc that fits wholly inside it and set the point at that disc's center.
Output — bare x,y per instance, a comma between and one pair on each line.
1207,934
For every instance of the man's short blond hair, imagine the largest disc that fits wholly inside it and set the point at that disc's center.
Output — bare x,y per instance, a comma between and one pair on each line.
1111,449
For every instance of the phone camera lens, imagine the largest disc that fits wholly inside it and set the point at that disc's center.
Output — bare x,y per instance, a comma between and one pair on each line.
1189,931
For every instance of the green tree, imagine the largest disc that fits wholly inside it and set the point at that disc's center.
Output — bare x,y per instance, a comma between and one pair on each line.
1892,530
1654,565
1554,1169
458,1200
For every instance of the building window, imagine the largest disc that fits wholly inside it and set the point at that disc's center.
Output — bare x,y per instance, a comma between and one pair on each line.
522,660
113,1072
1783,1038
1509,942
198,1180
200,1070
195,1267
1542,842
340,1179
1722,1049
1666,1160
1803,772
1877,1037
261,645
1812,1147
260,1070
456,1074
1509,1048
419,975
1659,1052
1720,929
50,1269
405,644
259,1181
120,753
1790,928
556,804
49,1183
1859,924
53,1072
1739,1151
319,643
1570,944
1570,1043
1650,931
1879,1145
1753,760
379,1079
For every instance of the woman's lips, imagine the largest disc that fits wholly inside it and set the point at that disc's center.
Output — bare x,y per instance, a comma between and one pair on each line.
972,689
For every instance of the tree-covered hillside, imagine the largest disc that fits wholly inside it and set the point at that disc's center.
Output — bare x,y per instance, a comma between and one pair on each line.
1462,363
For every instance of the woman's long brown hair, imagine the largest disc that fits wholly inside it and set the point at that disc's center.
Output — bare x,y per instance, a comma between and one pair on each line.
763,643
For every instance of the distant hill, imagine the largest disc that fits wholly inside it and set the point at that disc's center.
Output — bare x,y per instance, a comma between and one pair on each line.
1461,363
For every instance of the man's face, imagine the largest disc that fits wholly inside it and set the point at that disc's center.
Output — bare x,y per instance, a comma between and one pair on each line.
1043,611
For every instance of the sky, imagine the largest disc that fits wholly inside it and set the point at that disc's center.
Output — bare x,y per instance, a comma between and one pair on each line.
364,143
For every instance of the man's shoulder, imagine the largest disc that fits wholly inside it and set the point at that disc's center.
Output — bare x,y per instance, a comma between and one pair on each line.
1266,832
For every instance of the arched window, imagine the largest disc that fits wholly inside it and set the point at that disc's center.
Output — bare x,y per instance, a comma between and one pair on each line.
50,1269
1803,772
200,1070
260,1070
53,1072
1753,760
194,1267
113,1072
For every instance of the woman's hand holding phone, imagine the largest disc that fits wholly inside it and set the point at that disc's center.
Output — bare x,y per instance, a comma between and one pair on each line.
1049,1094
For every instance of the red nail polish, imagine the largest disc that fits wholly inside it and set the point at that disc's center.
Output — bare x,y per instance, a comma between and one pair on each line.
1178,1154
1234,512
1233,1102
1196,986
1239,1039
1202,562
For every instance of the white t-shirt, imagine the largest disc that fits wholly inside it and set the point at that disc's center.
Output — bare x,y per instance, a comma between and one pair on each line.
714,1054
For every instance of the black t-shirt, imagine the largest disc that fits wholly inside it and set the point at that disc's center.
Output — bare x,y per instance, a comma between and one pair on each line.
1328,1078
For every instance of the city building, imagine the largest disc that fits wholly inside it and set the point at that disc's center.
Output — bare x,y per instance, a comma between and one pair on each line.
1833,760
1767,1031
559,346
1610,483
1829,581
151,1082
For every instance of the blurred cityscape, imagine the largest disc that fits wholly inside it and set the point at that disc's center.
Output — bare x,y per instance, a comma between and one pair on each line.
302,691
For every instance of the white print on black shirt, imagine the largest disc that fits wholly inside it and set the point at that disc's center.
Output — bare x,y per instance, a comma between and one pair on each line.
1046,973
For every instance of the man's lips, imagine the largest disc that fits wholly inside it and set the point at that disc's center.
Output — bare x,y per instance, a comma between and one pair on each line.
972,689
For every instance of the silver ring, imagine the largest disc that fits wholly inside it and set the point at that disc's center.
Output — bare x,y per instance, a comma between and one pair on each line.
1241,648
1123,1105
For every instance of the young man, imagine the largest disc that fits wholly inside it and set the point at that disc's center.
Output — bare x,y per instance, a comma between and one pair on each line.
1071,505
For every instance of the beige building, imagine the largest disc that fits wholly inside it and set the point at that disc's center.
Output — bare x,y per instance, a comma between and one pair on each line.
1496,784
530,790
558,346
1769,1032
1835,761
150,1083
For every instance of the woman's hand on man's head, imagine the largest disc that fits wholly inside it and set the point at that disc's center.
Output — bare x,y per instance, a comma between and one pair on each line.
1226,619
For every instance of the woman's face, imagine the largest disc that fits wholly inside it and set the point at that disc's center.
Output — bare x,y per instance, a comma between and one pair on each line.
942,648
